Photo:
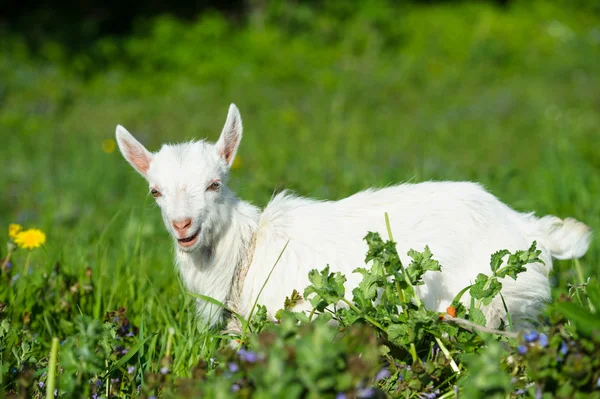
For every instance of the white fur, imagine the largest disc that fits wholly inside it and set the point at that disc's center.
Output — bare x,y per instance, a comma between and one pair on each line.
461,222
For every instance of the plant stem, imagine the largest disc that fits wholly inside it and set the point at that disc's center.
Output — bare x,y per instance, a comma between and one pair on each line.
446,353
27,259
415,295
169,343
366,317
6,260
52,369
413,349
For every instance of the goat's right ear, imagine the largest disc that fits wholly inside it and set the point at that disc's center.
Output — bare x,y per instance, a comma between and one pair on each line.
133,151
231,136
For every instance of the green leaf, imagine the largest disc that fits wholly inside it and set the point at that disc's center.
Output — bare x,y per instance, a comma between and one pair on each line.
497,261
399,334
517,261
127,356
328,288
585,321
421,263
592,289
485,288
477,316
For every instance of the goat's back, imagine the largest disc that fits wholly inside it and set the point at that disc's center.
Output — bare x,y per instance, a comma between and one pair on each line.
461,223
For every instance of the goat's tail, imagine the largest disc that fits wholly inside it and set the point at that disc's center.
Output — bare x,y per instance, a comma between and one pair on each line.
565,239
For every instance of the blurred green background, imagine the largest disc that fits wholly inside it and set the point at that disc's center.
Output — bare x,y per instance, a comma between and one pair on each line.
335,96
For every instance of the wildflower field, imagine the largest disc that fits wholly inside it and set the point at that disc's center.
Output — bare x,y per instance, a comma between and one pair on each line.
336,97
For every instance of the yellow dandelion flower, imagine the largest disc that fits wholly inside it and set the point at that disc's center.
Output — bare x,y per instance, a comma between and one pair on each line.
30,239
237,163
14,229
108,146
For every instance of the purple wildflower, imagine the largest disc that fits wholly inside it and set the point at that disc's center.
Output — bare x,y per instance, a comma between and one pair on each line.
235,388
563,348
41,384
383,373
429,395
152,397
531,336
94,395
115,380
522,349
340,395
130,370
538,393
233,367
543,341
456,389
130,334
164,370
519,392
248,356
366,393
8,265
98,383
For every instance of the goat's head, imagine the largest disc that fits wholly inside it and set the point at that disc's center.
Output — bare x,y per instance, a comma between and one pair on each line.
189,181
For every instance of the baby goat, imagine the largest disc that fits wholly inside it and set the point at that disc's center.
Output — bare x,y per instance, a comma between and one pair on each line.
226,247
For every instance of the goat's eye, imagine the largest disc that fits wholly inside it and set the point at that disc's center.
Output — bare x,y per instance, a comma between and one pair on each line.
215,186
155,193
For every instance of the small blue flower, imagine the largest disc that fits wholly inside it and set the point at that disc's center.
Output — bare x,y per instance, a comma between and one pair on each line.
456,390
41,384
531,336
233,367
522,349
383,373
152,397
94,396
130,370
8,265
129,334
543,341
340,395
538,393
519,392
98,383
164,370
564,348
115,380
598,383
248,356
235,388
366,393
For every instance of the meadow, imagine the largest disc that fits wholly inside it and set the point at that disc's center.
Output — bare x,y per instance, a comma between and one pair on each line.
335,99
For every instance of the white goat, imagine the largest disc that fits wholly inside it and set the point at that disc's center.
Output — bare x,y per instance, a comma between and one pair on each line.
219,239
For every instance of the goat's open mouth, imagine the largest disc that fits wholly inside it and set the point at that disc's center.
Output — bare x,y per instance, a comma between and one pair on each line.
189,241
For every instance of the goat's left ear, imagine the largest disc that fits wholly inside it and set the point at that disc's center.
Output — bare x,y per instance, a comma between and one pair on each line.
231,136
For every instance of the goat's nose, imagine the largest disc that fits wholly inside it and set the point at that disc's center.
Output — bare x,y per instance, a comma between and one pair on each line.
182,225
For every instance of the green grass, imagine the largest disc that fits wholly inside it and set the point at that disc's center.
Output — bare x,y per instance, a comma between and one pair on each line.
331,105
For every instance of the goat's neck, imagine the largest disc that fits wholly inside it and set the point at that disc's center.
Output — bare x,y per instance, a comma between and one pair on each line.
210,271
